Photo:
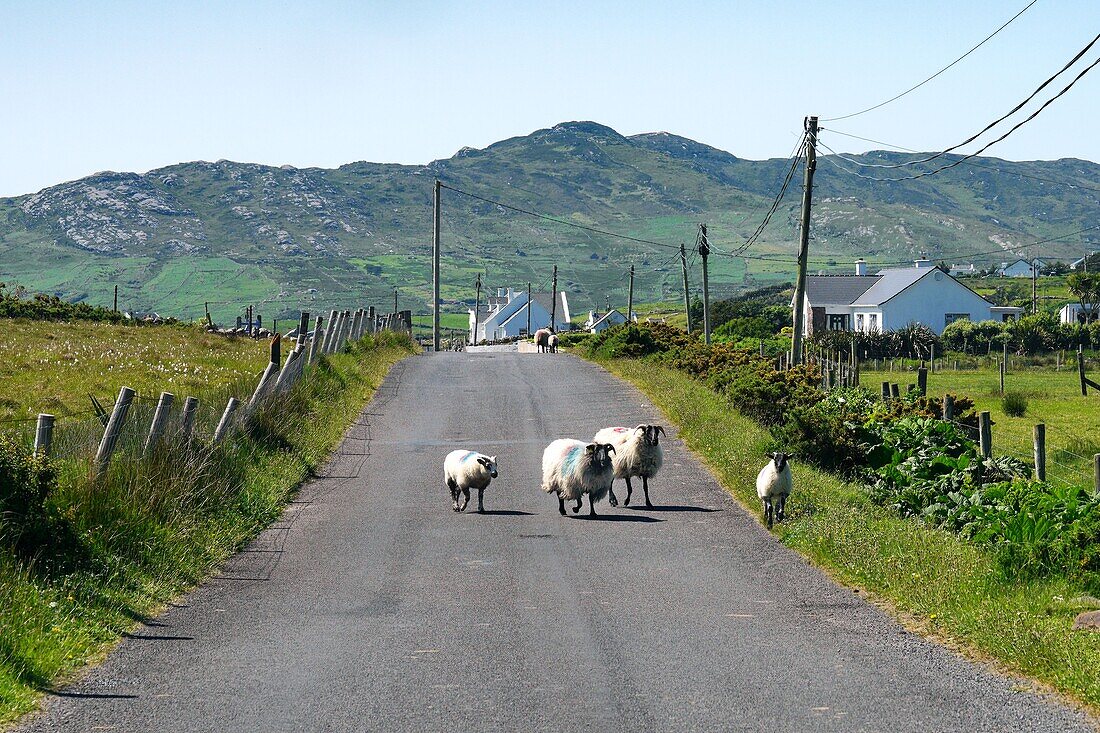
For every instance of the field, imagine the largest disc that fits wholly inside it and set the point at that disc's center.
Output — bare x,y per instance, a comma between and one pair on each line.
1053,397
53,367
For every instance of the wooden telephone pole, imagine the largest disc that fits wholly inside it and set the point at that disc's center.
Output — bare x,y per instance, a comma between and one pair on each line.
704,252
1034,286
554,302
687,295
630,296
435,272
477,309
804,241
528,309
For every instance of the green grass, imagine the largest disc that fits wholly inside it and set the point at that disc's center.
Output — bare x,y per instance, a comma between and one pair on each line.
152,528
1053,397
933,581
53,367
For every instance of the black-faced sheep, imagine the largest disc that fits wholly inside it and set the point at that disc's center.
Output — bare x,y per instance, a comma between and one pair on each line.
573,468
773,486
638,454
464,470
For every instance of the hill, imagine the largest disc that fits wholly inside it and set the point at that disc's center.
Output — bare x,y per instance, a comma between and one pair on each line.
287,238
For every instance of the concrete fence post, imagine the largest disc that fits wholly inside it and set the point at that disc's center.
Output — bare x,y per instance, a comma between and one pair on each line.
226,421
113,429
187,422
326,347
160,419
318,336
948,407
43,435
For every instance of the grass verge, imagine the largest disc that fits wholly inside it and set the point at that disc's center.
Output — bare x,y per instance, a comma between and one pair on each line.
122,546
936,582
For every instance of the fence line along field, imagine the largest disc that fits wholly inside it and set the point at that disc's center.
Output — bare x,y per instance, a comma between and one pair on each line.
1052,397
48,366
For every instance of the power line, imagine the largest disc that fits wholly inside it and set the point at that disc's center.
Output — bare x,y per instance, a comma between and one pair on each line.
918,86
795,158
999,120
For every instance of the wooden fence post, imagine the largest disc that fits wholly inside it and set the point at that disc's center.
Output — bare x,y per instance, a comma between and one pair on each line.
885,391
282,381
326,347
227,420
261,386
1081,372
922,381
1040,450
1096,474
985,434
303,329
895,390
372,320
318,337
948,407
187,422
1003,375
114,427
160,419
43,435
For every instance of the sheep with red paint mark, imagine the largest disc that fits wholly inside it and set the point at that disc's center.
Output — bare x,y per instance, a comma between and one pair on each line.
638,454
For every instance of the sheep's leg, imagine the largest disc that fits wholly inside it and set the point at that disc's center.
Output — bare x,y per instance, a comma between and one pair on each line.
645,488
629,491
454,494
577,508
466,499
561,504
780,508
591,505
481,501
768,512
611,498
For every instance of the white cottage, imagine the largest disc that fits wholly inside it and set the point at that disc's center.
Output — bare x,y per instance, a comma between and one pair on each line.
599,321
894,298
1019,268
505,314
1075,313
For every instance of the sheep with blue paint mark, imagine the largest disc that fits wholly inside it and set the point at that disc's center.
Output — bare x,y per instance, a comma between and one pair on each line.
464,470
573,468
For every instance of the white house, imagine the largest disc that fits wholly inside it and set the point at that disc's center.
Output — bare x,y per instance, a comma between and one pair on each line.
599,321
1073,313
1019,268
505,314
1077,263
894,298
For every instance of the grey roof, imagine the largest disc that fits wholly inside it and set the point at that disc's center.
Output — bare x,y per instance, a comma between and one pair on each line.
837,289
890,283
546,300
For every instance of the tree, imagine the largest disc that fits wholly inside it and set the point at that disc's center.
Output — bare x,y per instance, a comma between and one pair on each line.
1086,286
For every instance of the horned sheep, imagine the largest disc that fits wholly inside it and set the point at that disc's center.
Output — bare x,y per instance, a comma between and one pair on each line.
464,470
638,454
573,468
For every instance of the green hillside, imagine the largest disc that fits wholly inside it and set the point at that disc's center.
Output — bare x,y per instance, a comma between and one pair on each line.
283,238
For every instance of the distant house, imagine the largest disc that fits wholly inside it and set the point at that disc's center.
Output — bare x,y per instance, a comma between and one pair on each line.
967,270
894,298
1073,313
599,321
505,314
1077,264
1019,268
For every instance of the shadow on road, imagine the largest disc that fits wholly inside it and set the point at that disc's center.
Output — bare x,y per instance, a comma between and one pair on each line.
506,513
671,508
104,695
617,518
150,637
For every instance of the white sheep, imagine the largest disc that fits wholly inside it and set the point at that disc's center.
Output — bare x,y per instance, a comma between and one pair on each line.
638,453
573,468
552,343
466,469
773,486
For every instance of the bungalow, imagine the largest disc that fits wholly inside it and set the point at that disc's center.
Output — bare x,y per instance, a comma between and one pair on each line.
1078,263
599,321
1074,313
894,298
1019,268
505,314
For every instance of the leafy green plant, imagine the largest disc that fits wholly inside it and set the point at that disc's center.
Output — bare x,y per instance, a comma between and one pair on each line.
1014,403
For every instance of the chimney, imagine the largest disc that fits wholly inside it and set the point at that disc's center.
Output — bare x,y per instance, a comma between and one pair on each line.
922,262
861,266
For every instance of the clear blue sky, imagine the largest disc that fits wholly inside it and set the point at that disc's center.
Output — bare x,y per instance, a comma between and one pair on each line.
95,86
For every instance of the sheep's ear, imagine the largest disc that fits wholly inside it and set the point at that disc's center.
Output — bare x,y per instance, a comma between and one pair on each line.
590,447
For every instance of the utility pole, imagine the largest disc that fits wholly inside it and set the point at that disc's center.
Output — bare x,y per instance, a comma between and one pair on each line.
1034,286
477,309
687,297
804,241
116,299
704,252
395,304
435,272
528,308
630,297
554,302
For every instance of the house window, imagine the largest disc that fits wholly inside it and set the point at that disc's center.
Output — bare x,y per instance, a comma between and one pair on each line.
950,318
873,318
859,321
838,321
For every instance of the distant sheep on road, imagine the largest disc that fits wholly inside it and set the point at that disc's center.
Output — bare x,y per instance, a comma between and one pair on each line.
464,470
542,339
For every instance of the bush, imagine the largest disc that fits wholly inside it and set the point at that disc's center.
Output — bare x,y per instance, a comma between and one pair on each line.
26,481
1014,404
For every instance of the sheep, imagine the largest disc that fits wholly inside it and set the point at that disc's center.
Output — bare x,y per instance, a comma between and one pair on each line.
542,339
464,470
552,343
773,486
572,468
638,453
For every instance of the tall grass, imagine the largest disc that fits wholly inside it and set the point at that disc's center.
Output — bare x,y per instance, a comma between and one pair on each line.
134,537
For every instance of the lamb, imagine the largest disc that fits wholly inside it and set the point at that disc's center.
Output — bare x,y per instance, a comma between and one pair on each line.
464,470
773,486
572,468
552,343
638,453
542,339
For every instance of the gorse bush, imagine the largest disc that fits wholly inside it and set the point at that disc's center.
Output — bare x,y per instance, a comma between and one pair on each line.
26,482
16,302
1014,403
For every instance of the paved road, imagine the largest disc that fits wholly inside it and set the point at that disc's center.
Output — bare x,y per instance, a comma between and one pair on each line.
371,606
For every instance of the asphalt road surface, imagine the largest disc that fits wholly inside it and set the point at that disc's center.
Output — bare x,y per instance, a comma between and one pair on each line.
372,606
